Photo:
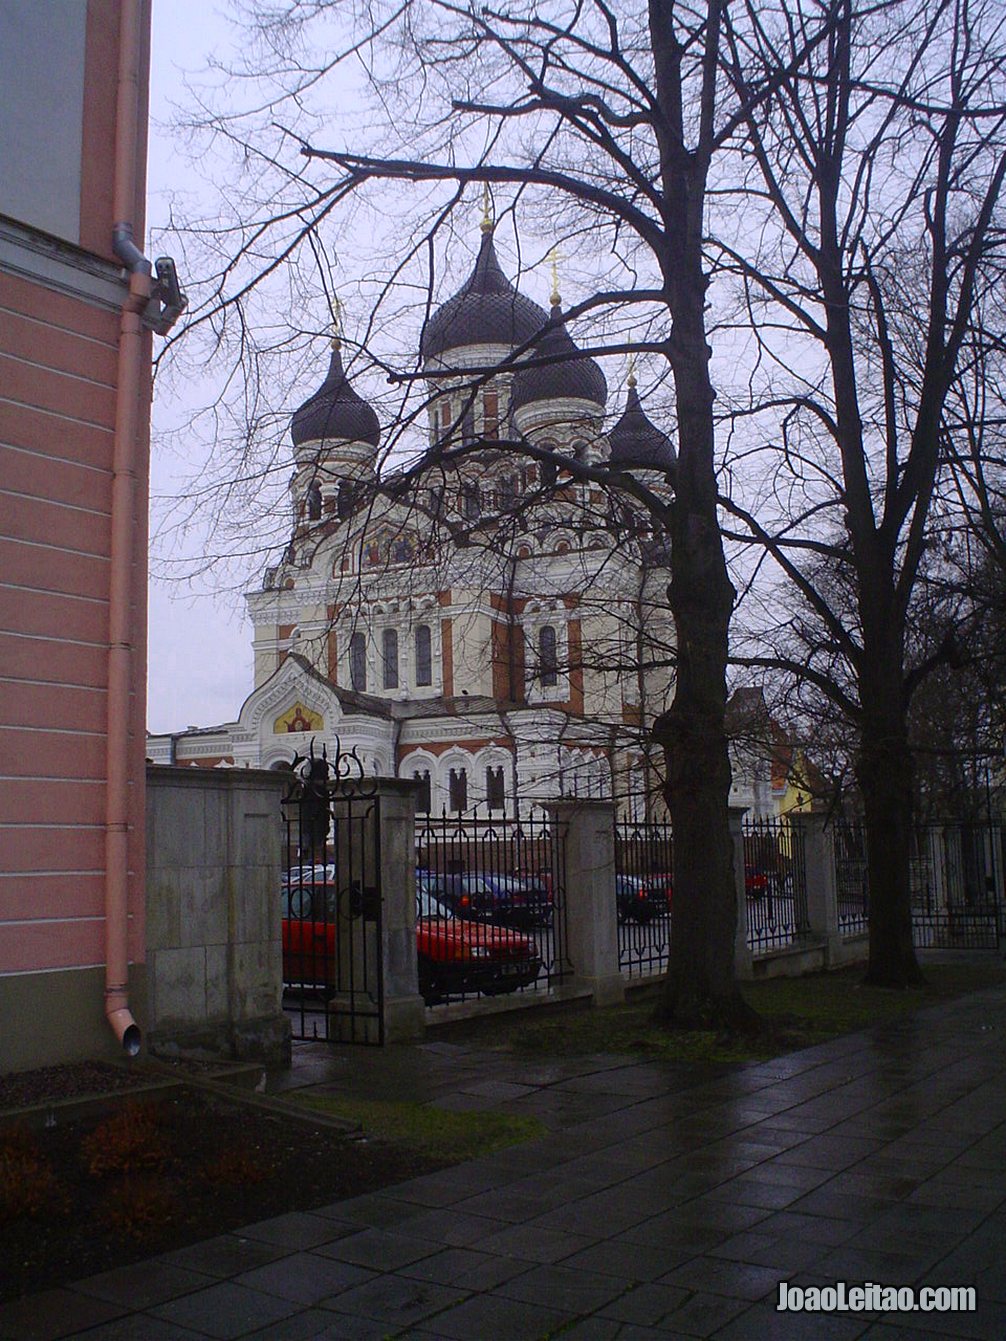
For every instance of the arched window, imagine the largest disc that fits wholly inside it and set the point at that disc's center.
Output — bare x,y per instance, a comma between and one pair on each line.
468,422
424,655
389,656
490,414
458,787
344,499
358,663
495,789
424,795
314,503
547,659
471,502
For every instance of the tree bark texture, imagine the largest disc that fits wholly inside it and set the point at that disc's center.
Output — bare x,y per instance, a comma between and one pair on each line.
701,982
884,770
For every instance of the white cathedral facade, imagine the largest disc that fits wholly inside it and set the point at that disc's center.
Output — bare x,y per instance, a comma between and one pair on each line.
493,628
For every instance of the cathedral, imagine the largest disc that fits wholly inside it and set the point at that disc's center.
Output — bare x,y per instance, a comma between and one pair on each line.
484,623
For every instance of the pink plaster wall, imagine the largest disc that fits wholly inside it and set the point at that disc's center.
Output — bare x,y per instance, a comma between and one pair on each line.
58,372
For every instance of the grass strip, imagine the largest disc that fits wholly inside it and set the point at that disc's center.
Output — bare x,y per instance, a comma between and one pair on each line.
797,1012
435,1133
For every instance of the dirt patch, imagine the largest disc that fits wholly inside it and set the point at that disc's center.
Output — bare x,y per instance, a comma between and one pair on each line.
150,1176
49,1084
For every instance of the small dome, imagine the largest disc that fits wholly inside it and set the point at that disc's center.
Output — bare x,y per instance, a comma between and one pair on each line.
635,441
336,411
574,376
487,310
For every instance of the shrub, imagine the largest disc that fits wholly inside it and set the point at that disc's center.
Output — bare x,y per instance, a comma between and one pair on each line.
126,1142
28,1186
236,1167
138,1205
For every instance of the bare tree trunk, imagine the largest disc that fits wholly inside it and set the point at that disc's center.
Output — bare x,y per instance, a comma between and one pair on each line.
885,773
701,984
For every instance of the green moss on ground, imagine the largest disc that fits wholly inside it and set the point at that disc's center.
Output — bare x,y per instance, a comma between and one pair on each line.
434,1133
796,1013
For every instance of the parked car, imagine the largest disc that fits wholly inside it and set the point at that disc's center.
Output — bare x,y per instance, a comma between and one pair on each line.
310,914
538,877
507,899
464,895
310,875
759,881
639,898
454,955
460,956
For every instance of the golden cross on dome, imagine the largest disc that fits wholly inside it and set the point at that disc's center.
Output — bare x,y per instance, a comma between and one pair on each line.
556,297
631,379
487,218
336,340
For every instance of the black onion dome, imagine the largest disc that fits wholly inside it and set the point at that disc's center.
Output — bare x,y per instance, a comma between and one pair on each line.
487,310
574,376
336,411
635,441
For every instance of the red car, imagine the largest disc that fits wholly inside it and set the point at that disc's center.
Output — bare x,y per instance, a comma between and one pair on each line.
756,882
455,955
459,956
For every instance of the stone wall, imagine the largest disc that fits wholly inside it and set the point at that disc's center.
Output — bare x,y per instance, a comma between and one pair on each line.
214,960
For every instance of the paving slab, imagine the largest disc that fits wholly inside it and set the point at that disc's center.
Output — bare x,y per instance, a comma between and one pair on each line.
663,1201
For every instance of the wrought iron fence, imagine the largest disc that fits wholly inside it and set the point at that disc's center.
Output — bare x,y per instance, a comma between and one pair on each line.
956,883
491,892
852,885
775,883
644,862
958,902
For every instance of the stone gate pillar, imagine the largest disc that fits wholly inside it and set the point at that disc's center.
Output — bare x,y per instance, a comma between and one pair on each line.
591,917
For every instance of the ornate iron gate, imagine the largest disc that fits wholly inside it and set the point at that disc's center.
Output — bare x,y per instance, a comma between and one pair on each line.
332,957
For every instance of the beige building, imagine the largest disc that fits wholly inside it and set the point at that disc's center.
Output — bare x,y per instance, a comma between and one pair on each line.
496,630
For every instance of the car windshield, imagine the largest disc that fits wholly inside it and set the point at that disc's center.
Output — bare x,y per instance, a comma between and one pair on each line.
309,875
428,906
474,884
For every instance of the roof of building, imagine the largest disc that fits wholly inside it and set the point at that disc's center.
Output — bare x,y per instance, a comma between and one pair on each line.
571,375
635,441
336,411
486,310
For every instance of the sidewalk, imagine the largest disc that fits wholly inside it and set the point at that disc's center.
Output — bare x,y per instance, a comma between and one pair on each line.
665,1201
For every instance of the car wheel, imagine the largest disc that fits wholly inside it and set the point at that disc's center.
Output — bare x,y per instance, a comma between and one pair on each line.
429,986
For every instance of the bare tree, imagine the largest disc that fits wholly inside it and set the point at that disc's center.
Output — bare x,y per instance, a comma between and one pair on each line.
609,123
621,119
846,158
874,178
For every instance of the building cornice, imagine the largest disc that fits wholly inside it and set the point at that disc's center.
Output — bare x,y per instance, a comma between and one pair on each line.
41,259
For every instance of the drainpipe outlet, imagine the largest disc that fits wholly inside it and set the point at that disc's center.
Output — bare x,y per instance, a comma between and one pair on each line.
125,1028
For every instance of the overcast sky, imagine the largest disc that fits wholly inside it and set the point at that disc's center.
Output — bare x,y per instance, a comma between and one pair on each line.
200,663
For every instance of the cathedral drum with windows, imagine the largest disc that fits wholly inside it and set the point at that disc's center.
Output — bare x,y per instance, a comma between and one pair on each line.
495,629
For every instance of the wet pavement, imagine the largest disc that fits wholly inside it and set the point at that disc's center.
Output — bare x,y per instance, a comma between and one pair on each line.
665,1200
